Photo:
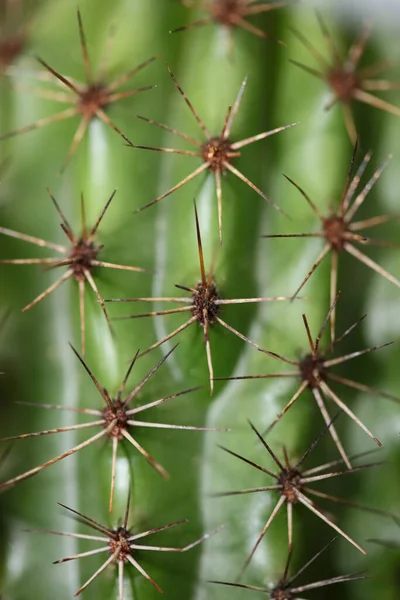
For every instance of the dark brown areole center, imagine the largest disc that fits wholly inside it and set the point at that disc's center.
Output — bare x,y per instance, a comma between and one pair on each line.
290,480
10,48
83,253
312,367
120,540
279,593
344,82
218,151
116,412
92,98
204,306
227,11
335,229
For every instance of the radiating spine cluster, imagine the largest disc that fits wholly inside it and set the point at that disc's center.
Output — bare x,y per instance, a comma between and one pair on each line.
116,417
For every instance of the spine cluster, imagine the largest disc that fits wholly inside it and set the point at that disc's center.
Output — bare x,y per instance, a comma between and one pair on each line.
233,423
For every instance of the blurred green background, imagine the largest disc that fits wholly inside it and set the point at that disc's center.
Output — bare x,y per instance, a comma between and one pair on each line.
38,365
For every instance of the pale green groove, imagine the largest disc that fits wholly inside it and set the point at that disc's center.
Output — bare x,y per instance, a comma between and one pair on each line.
381,326
98,176
162,279
69,396
63,332
99,182
257,400
315,154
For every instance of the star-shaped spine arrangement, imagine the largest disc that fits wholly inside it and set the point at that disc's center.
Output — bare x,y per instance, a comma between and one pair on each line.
314,372
340,232
285,590
216,152
347,81
121,545
116,421
204,303
231,13
292,485
80,257
88,100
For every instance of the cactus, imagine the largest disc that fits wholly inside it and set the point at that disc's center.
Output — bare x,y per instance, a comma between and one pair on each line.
110,139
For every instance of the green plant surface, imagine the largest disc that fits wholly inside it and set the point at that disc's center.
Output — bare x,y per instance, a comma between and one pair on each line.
39,366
